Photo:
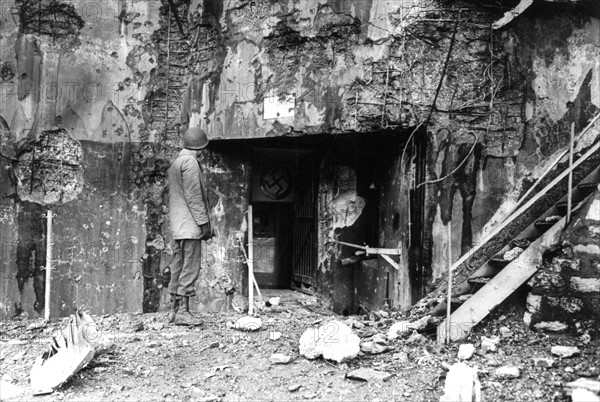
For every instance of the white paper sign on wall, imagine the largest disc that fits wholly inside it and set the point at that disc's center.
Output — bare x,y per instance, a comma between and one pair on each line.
276,107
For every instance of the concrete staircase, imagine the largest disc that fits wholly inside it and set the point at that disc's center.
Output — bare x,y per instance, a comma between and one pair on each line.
486,275
501,275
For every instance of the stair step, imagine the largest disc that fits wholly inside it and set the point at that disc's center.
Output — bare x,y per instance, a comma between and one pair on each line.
480,280
544,224
498,261
587,188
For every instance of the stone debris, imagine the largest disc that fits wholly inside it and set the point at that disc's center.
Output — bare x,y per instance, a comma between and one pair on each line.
505,332
248,324
369,374
489,344
543,362
275,335
583,395
280,358
551,326
274,301
462,384
403,328
333,340
512,254
294,387
583,383
465,351
565,351
378,344
509,371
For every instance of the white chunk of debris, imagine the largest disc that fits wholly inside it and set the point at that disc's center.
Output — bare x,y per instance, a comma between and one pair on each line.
462,384
69,352
465,351
489,344
509,371
274,301
583,383
333,340
275,335
565,351
280,358
583,395
512,254
248,324
406,327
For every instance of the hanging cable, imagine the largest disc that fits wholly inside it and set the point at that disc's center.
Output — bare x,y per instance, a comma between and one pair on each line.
475,140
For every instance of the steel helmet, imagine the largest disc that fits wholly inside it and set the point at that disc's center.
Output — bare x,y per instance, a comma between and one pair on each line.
195,138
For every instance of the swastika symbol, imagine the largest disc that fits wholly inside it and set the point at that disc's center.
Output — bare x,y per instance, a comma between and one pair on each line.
275,182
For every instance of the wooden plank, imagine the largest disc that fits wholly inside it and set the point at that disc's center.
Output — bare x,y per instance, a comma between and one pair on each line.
500,287
527,205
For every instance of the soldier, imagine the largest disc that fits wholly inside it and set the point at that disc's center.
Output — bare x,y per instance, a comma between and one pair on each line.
190,224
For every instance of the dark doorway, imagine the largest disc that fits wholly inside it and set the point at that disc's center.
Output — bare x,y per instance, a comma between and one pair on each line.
284,221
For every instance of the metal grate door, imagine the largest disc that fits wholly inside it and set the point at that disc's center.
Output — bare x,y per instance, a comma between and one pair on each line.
304,253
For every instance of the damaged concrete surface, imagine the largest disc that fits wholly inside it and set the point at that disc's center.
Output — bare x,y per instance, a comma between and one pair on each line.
130,76
145,359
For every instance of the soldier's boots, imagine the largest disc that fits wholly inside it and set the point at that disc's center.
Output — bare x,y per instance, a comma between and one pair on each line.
184,316
175,300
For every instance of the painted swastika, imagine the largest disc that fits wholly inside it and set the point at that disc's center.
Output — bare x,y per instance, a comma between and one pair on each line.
275,182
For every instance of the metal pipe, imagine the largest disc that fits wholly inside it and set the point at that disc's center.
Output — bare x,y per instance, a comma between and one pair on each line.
48,265
570,189
250,263
449,297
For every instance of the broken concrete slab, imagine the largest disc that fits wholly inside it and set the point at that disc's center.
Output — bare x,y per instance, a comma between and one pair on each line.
583,383
69,353
583,395
462,384
333,340
465,351
565,351
509,371
369,374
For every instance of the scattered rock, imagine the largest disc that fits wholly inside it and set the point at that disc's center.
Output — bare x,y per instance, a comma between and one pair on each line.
543,362
505,332
373,348
294,387
462,384
465,351
489,344
565,351
155,326
248,323
280,358
416,338
508,372
274,301
402,357
369,374
405,327
152,344
274,335
583,395
333,340
583,383
551,326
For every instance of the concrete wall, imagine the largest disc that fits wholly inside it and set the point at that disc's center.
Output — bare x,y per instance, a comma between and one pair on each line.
136,74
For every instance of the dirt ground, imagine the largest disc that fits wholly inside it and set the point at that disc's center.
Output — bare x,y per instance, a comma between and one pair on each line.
144,359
